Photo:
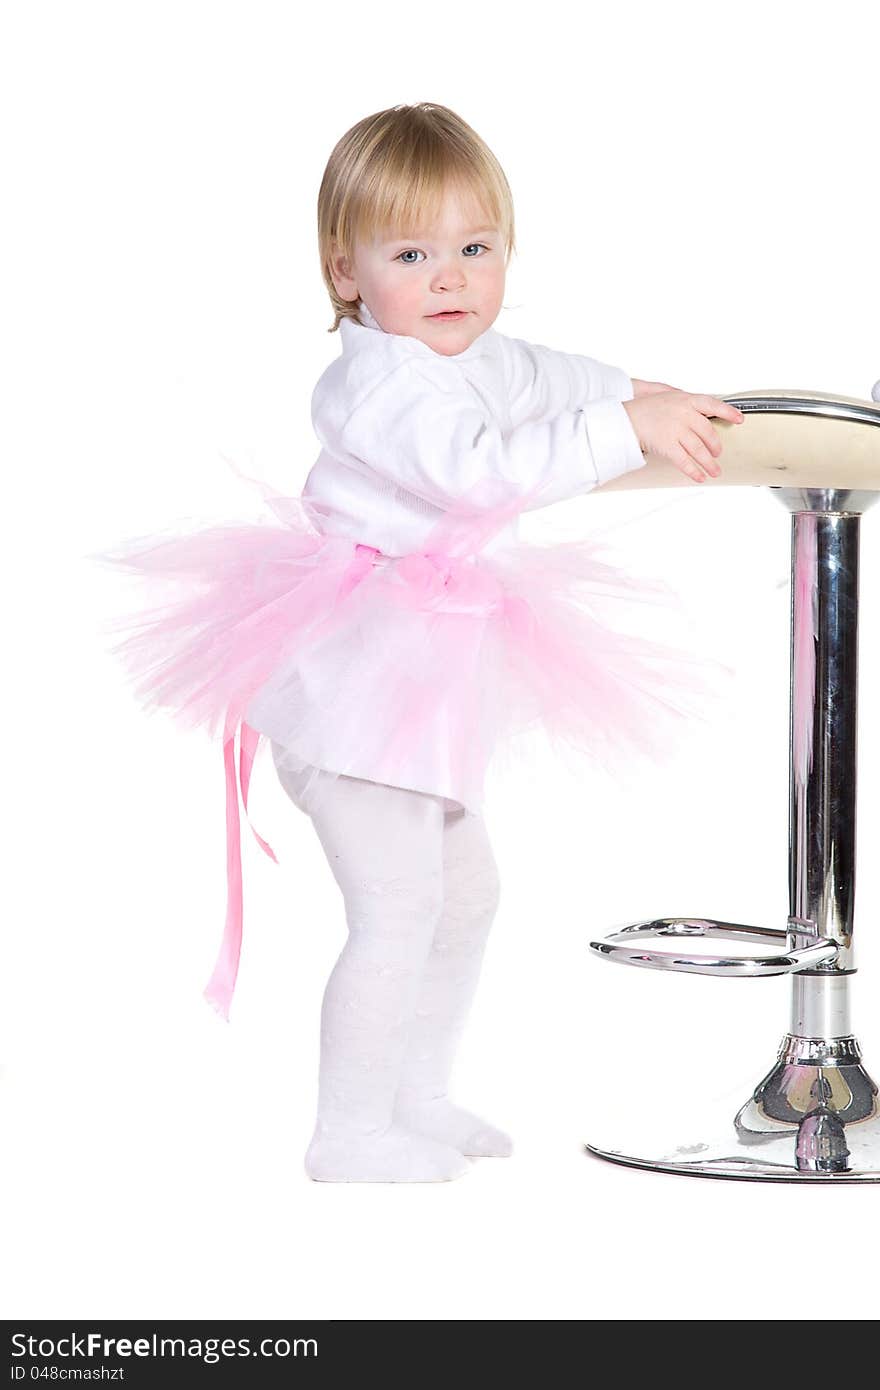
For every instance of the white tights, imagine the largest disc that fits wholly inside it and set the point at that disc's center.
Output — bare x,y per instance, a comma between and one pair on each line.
420,887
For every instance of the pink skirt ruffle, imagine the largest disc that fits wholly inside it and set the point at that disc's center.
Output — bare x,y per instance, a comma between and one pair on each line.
415,670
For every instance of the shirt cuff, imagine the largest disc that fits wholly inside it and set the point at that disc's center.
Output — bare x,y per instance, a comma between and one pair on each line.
614,444
617,383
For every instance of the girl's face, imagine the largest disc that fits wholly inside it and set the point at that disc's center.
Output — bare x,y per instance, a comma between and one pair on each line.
457,264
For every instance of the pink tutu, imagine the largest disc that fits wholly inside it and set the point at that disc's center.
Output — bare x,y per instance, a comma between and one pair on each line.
406,669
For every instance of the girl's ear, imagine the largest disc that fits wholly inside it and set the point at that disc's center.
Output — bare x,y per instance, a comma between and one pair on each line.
341,273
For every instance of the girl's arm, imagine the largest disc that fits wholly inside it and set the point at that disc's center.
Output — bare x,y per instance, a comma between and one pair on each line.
540,381
543,380
420,427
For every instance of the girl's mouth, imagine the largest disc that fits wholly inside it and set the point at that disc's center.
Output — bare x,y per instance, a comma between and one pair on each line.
450,315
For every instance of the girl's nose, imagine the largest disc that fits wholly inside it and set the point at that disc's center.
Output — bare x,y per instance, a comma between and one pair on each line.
449,277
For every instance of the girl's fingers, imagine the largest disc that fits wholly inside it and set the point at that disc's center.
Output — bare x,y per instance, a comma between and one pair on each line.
683,461
711,405
709,436
701,453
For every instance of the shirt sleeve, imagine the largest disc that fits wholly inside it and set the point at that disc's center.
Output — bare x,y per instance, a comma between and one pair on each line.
429,433
542,381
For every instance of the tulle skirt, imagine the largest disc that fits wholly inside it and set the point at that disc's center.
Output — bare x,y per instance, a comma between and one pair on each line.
416,670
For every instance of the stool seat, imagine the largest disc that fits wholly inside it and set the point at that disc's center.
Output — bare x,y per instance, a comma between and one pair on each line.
805,439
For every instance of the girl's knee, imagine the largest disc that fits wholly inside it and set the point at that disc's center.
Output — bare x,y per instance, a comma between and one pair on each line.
474,896
396,905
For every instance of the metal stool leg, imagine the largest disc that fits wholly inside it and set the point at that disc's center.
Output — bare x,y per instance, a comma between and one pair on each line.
815,1115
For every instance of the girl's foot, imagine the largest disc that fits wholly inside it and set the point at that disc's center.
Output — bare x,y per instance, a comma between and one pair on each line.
441,1120
397,1155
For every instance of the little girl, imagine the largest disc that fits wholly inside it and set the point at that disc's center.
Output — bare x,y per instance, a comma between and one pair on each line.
394,631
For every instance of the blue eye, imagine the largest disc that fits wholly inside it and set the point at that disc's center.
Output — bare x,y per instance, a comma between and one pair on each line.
413,252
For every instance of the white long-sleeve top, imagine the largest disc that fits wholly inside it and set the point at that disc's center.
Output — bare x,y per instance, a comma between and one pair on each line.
406,431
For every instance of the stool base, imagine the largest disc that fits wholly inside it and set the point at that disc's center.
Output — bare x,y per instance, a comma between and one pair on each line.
814,1118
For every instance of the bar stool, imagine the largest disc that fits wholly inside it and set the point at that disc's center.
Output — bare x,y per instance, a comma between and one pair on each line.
815,1116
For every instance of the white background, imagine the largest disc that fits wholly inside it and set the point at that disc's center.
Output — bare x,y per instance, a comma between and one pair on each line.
695,198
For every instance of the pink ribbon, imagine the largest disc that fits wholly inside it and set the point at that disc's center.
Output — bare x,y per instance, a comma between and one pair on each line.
434,578
221,986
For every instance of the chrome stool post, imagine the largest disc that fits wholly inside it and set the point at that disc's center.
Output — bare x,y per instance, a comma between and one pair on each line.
815,1116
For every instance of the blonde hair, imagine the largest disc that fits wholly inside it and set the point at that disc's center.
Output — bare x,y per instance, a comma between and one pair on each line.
389,174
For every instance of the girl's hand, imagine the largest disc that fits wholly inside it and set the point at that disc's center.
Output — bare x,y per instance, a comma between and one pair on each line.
649,388
673,424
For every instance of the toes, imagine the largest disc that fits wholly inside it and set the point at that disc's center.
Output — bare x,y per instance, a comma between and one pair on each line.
489,1143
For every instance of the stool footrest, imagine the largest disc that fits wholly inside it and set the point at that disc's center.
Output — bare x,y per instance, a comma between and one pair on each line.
799,947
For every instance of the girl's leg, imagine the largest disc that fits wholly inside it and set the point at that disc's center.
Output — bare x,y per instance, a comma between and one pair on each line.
470,901
384,846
